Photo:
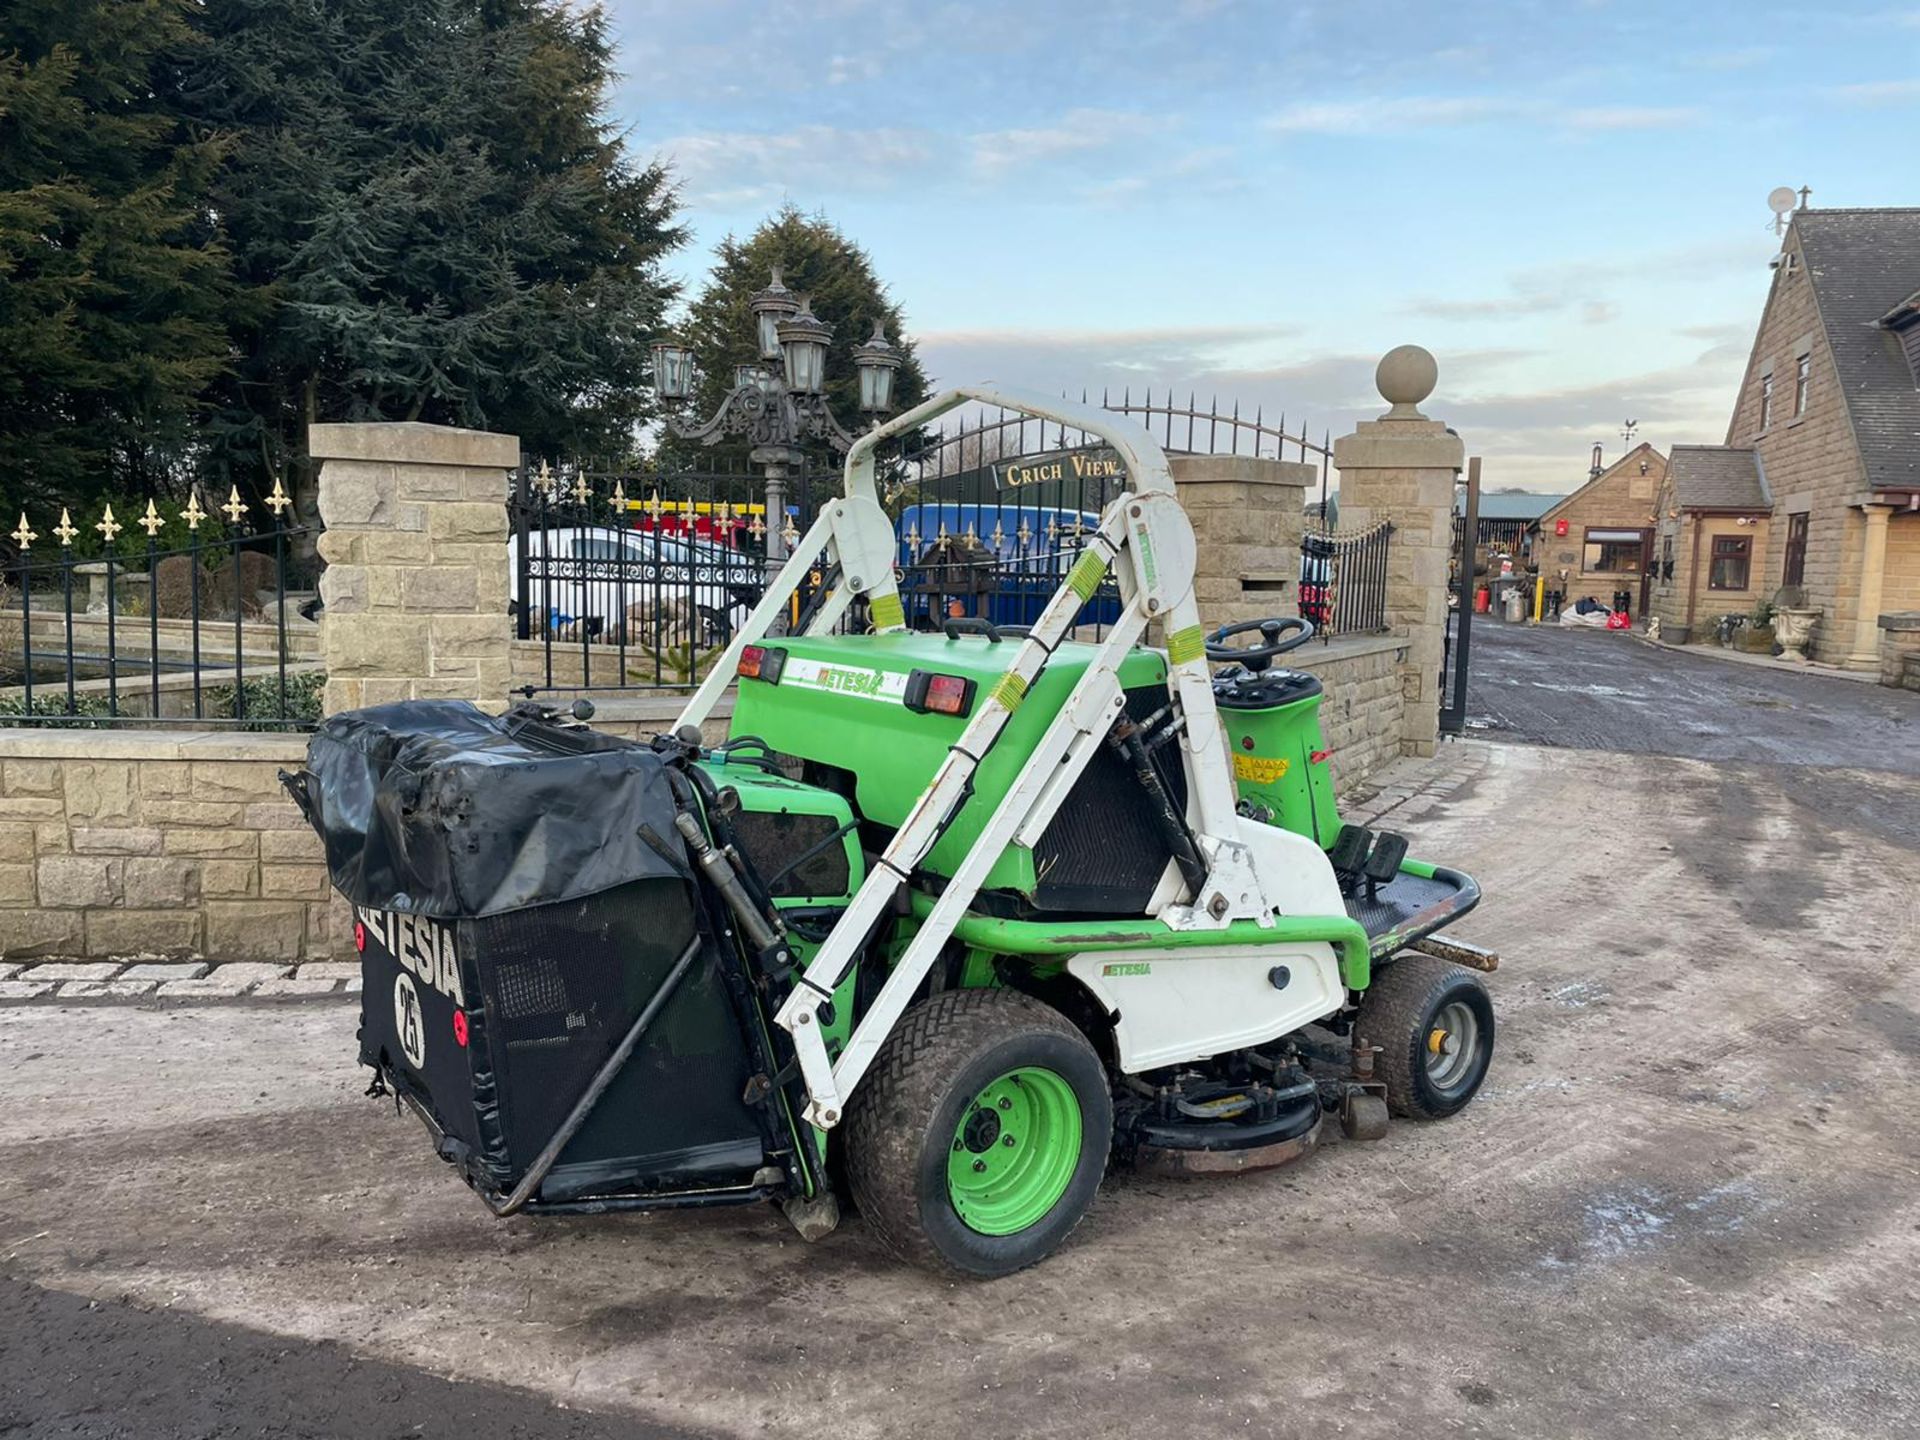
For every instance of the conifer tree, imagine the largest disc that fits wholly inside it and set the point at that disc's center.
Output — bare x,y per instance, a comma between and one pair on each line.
113,290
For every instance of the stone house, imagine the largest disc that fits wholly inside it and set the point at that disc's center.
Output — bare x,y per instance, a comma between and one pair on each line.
1818,484
1598,542
1711,539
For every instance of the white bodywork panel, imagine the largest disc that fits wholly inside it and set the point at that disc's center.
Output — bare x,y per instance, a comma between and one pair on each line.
1178,1005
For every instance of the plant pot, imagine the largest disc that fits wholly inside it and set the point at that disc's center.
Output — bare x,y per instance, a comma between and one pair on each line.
1793,628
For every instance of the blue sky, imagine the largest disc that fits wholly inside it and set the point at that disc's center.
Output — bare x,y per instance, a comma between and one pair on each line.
1565,202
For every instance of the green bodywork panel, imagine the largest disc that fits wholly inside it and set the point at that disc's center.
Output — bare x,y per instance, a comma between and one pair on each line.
845,709
1035,941
1274,766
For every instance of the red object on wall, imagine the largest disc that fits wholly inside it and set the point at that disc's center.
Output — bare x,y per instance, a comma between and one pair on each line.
1559,527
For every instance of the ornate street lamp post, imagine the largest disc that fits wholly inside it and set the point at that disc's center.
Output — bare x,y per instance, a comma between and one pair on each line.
780,404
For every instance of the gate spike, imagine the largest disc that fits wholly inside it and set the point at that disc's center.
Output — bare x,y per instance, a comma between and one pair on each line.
65,529
108,526
26,534
151,521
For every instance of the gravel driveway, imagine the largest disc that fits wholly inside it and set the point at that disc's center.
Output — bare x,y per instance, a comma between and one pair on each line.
1686,1202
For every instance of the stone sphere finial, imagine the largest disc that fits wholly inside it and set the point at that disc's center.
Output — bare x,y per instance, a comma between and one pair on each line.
1406,376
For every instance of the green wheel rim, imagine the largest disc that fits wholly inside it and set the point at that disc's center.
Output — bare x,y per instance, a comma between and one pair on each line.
1014,1151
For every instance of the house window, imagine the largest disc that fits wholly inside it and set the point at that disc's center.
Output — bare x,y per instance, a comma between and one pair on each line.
1613,552
1795,570
1666,557
1731,554
1766,401
1802,377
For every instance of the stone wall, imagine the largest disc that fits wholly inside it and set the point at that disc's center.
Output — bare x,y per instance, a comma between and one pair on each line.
1620,498
1900,648
1811,460
147,843
416,584
1363,714
1694,532
1402,467
1247,516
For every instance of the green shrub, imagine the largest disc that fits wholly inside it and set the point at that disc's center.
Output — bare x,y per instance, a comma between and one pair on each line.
262,702
86,706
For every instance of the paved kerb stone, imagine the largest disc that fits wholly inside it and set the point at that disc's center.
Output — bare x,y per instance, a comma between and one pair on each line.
184,970
296,985
106,989
226,982
71,970
24,989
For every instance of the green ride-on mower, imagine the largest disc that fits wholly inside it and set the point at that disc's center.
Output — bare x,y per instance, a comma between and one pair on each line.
948,923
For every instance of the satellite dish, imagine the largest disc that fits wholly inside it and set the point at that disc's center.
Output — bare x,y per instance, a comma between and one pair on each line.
1782,199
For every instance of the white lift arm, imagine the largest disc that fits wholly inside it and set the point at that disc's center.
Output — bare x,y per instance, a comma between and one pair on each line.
1144,537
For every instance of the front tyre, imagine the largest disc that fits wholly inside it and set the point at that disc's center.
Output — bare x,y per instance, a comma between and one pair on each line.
978,1138
1434,1023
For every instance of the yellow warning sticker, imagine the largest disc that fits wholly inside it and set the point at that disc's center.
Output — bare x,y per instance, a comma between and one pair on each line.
1259,769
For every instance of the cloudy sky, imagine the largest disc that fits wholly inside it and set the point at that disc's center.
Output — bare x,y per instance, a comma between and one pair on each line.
1564,201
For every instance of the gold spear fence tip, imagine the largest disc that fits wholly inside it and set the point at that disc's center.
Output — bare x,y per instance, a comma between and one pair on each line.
26,534
108,526
65,529
235,506
618,500
279,500
582,492
151,521
193,514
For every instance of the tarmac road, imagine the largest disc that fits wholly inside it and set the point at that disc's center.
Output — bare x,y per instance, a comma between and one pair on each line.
1582,689
1688,1201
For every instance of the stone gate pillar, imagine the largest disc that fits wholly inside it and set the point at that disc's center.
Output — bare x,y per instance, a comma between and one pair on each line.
417,579
1402,467
1247,515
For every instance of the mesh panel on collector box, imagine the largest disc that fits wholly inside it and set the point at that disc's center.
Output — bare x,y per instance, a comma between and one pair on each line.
564,982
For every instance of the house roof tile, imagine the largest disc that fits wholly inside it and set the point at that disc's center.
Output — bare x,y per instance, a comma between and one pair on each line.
1863,264
1718,477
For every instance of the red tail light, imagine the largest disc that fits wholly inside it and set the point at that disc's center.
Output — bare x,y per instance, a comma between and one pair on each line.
941,694
762,662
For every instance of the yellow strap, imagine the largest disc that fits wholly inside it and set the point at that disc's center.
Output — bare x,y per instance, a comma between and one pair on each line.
1187,644
1009,690
1084,578
888,613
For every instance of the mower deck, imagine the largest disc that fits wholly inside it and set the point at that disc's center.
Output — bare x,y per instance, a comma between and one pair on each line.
1415,903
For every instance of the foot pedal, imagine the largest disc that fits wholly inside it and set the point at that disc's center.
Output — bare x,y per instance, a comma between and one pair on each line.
1348,855
1388,851
1384,863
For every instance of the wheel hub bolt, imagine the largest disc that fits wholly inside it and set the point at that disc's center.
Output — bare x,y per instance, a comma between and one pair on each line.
1006,1140
979,1165
1005,1103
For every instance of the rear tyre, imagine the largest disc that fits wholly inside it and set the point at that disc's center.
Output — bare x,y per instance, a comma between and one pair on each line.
977,1140
1434,1023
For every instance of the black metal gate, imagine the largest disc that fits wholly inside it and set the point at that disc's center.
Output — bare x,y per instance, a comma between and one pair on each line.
637,576
1456,652
629,577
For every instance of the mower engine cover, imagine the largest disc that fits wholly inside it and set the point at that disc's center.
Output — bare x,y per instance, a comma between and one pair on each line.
520,893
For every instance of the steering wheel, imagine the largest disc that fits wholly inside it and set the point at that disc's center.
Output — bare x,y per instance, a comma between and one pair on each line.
1296,629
